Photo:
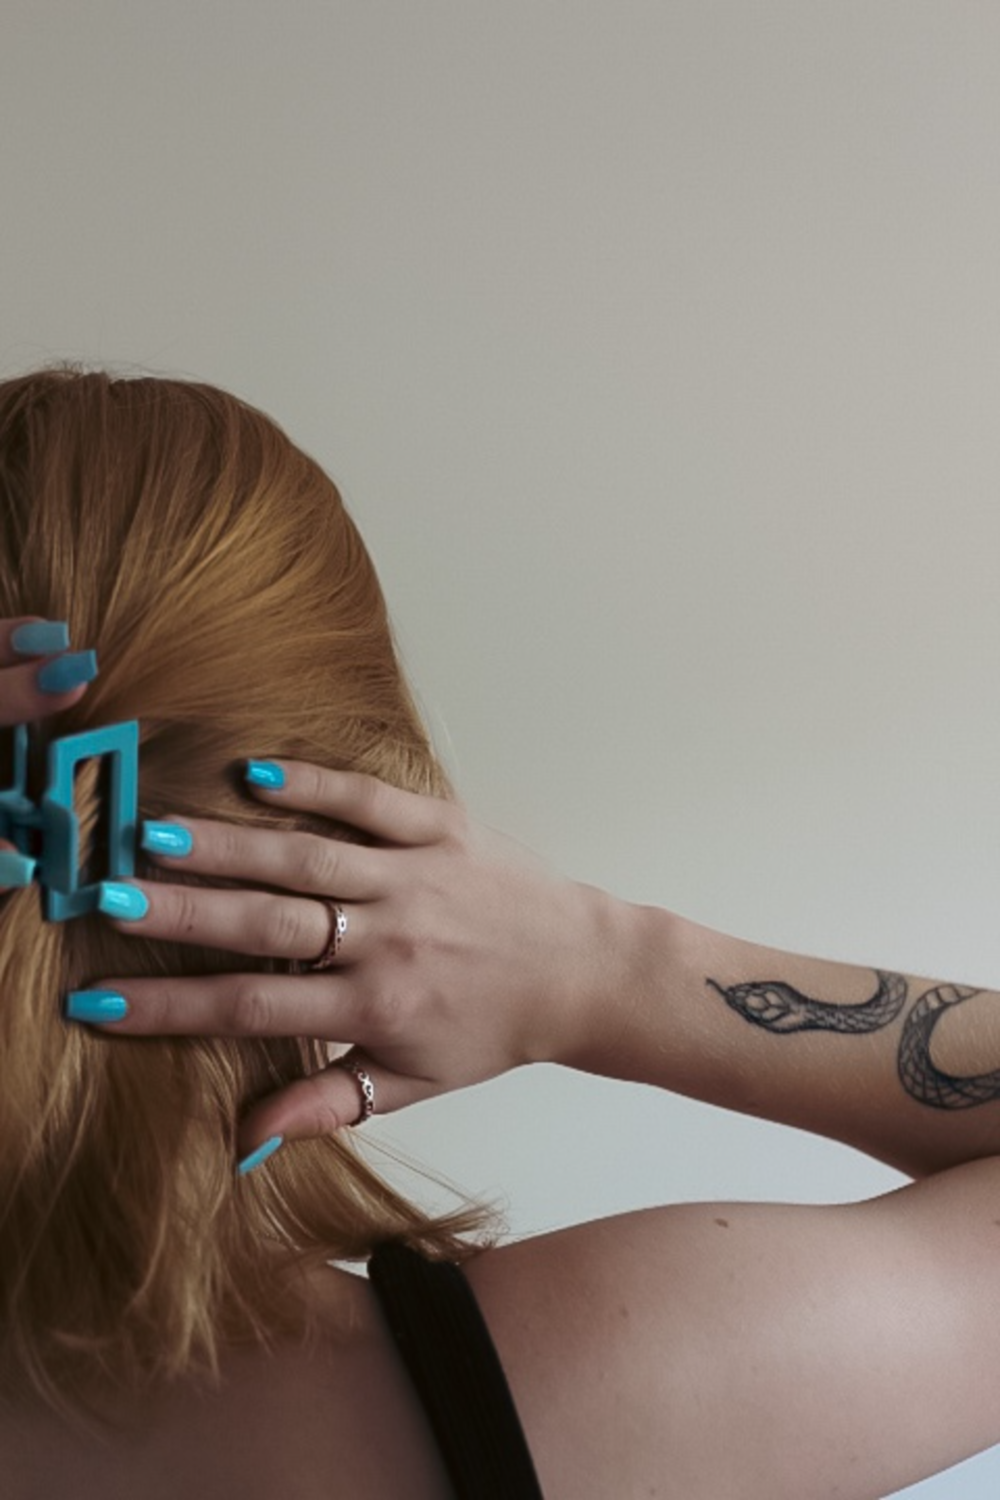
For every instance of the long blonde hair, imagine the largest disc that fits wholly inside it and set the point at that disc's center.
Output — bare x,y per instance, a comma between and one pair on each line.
235,612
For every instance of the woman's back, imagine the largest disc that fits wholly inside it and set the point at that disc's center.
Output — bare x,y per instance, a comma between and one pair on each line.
335,1417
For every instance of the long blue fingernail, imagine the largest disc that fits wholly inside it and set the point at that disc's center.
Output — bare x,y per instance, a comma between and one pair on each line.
261,1154
16,869
95,1006
40,637
166,838
67,672
265,773
126,902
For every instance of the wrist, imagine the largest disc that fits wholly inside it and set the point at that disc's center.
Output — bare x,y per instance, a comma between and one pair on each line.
625,964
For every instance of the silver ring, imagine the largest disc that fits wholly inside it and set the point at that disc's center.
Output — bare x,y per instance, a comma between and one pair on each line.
338,930
365,1084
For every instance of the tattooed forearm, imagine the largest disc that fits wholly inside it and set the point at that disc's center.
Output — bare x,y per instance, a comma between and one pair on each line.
778,1007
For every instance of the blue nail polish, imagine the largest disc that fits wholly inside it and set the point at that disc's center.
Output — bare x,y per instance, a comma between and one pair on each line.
265,773
40,637
16,869
95,1006
67,672
261,1154
126,902
166,838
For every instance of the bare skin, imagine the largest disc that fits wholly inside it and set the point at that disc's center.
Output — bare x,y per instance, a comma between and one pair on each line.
339,1418
765,1352
429,986
811,1337
703,1350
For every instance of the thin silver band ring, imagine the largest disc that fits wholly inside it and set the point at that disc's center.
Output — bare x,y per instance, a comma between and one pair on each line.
338,931
365,1084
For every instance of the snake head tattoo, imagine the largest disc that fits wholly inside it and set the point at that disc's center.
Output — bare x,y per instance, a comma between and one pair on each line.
778,1007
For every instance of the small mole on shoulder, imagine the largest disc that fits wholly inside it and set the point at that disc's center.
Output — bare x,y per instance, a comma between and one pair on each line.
722,1223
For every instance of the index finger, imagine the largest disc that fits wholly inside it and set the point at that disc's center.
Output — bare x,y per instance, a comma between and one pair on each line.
364,802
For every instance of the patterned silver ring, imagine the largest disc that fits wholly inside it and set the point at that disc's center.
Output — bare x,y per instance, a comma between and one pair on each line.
338,930
365,1084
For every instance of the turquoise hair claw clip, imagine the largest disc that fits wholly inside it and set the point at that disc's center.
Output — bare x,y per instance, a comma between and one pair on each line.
50,833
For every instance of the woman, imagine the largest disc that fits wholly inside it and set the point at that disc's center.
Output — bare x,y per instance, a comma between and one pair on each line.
697,1350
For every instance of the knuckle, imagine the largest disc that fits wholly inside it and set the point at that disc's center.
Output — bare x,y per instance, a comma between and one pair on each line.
389,1015
227,838
405,945
161,1004
252,1009
281,929
313,783
317,864
323,1118
185,909
367,802
369,792
455,825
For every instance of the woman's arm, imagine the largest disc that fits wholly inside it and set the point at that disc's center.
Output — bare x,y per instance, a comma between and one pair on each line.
464,956
704,1350
904,1068
758,1351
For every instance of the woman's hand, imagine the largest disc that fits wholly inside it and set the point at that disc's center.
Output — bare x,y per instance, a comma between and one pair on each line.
38,677
462,957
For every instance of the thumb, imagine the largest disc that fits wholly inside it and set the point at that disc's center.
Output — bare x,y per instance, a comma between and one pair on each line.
347,1093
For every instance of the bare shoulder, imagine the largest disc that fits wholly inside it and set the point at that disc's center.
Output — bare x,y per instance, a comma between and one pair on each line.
756,1350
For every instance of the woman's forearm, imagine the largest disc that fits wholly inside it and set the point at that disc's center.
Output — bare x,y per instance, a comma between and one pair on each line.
903,1068
467,956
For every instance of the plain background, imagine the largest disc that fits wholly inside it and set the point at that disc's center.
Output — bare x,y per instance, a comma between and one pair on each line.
656,349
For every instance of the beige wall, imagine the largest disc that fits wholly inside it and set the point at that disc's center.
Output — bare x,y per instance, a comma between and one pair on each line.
655,347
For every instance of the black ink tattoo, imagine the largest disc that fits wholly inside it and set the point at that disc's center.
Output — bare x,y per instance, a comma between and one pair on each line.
918,1074
779,1007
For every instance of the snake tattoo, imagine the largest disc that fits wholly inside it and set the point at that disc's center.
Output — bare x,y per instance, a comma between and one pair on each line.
780,1008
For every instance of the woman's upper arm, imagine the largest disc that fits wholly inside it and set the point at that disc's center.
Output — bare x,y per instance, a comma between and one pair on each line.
757,1350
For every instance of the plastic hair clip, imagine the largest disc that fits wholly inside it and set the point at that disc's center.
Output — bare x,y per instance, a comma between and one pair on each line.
50,832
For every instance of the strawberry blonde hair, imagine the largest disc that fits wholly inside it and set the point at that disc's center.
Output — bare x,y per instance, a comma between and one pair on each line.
235,612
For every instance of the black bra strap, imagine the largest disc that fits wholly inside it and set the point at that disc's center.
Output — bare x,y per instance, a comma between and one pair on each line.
446,1346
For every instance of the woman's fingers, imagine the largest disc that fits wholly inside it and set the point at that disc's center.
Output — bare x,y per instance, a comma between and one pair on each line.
364,802
327,1102
322,1005
303,862
239,1005
447,973
239,921
38,675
